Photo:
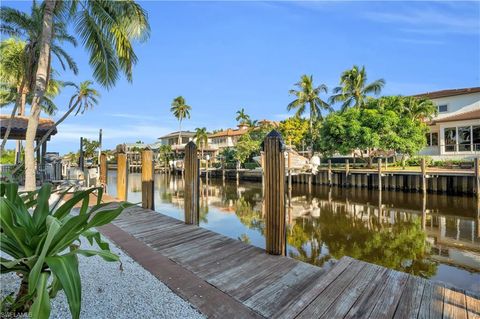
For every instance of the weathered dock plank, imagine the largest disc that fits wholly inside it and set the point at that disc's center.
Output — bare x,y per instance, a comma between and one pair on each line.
262,285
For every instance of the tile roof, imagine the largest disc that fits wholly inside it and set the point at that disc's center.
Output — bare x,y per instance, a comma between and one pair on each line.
446,93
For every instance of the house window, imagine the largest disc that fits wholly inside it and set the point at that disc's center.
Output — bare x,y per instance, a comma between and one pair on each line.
450,139
442,108
464,139
434,139
429,142
476,137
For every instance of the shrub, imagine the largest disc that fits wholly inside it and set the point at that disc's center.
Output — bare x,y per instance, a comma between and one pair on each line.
251,165
41,242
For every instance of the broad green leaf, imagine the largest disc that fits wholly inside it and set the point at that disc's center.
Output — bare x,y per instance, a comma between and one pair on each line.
68,232
60,199
105,254
9,246
84,208
77,197
55,287
65,269
42,209
41,305
7,223
106,216
99,195
53,228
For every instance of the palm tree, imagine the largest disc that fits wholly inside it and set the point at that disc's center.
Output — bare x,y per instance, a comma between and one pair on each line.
353,89
309,95
181,111
83,99
29,27
107,29
201,137
242,117
419,108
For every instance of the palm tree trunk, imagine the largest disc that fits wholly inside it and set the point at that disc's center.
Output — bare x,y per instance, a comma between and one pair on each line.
180,134
39,91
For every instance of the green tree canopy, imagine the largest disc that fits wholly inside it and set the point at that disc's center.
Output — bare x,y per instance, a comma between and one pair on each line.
294,131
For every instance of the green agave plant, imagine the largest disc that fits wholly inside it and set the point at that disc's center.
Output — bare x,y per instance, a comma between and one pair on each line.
43,242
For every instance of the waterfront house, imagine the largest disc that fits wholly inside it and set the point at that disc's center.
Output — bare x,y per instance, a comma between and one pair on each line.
455,131
172,139
227,138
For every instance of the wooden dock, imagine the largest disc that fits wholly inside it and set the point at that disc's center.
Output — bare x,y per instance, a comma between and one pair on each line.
226,278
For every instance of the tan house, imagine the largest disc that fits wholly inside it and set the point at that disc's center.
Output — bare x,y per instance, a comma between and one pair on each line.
455,131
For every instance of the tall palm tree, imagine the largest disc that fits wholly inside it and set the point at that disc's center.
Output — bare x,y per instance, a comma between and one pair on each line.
201,137
107,29
308,95
419,108
353,89
84,98
181,111
242,117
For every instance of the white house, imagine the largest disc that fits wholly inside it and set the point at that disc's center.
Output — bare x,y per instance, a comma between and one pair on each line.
455,131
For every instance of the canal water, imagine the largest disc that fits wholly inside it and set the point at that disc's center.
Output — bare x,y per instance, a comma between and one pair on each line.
435,237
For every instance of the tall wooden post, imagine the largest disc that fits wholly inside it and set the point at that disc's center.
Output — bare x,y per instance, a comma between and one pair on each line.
103,171
379,174
477,176
274,194
347,172
329,172
122,175
206,172
424,175
192,184
223,169
289,168
147,179
43,154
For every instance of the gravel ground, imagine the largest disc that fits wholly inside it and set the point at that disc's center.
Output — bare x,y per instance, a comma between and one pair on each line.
108,292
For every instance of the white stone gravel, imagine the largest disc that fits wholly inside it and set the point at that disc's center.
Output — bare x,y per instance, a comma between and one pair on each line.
108,292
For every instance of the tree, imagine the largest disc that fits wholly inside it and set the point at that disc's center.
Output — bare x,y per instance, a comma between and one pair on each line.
250,143
308,95
181,111
376,129
83,99
107,29
242,117
90,148
353,89
201,137
294,130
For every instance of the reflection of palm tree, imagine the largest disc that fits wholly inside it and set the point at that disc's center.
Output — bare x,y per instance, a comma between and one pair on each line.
244,238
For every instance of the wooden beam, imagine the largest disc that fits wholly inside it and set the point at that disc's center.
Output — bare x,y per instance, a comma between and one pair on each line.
103,170
192,184
122,175
147,179
274,194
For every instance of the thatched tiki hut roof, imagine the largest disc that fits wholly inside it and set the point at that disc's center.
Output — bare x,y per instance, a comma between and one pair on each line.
19,127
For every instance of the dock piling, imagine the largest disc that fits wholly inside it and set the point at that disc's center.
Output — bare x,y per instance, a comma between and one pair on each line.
192,184
329,172
424,175
477,176
103,171
379,174
122,175
147,179
274,194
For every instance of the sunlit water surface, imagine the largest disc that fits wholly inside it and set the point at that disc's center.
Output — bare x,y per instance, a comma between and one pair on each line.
435,237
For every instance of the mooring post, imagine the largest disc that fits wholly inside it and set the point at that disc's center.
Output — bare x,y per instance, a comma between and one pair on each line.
237,172
223,169
274,194
103,171
206,171
329,172
289,169
477,176
424,175
347,172
122,175
81,162
379,174
147,179
192,184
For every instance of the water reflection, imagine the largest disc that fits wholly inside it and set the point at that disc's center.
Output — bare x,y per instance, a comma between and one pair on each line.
436,236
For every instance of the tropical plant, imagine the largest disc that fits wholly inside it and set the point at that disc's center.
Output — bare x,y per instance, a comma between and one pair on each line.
43,245
201,137
308,95
294,130
242,117
353,89
181,111
107,29
165,152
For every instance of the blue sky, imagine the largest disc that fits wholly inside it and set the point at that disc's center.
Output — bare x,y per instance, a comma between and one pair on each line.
222,56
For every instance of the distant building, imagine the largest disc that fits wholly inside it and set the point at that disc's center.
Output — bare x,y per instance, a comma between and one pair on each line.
227,138
172,139
455,131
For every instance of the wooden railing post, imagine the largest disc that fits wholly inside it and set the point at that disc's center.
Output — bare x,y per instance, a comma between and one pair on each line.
103,171
122,175
147,179
274,194
379,174
192,184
